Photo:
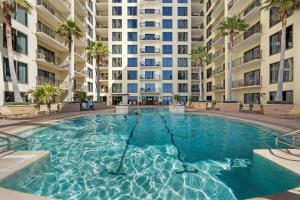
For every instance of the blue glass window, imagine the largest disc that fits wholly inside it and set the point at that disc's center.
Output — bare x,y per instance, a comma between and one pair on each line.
182,62
167,11
116,10
167,36
167,1
166,100
132,1
132,11
167,88
132,23
132,87
167,49
117,1
167,23
132,36
149,49
182,11
150,87
132,62
167,75
182,23
182,1
149,36
132,75
150,62
149,74
150,24
167,62
132,49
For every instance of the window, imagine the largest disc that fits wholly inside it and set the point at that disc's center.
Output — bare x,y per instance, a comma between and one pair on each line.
252,78
167,49
167,62
132,88
167,23
132,49
116,75
167,87
21,16
90,5
150,87
132,62
288,71
131,75
182,36
252,54
45,77
182,49
182,11
149,49
182,62
116,49
149,75
46,54
132,23
116,10
116,88
116,36
149,62
9,96
252,98
195,88
132,36
182,23
167,75
90,17
90,87
167,11
166,100
182,1
90,73
209,87
182,75
209,73
19,41
117,62
117,23
167,1
20,69
167,36
275,40
287,96
117,1
183,87
132,11
275,18
132,1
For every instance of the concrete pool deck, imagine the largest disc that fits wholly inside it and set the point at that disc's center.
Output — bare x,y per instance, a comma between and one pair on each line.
287,159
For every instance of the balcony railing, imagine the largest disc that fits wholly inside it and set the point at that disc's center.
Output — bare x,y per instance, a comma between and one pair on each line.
50,9
156,63
218,53
150,90
243,60
149,25
144,51
247,34
246,82
219,70
148,38
198,13
252,6
218,87
197,39
41,80
150,11
155,77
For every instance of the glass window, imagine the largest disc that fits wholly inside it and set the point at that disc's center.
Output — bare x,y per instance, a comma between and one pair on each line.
116,10
167,1
182,1
150,87
167,75
21,16
182,49
252,98
182,75
132,11
167,49
149,75
183,87
117,23
167,36
167,62
209,87
116,49
288,71
182,62
209,73
287,96
117,62
116,75
132,75
182,23
275,40
132,36
167,87
132,62
167,23
274,16
132,49
116,87
19,41
132,87
20,69
117,1
182,11
167,100
90,87
132,23
150,62
90,73
182,36
167,11
116,36
132,1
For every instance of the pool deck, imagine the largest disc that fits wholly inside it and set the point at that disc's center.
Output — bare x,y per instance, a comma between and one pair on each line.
11,163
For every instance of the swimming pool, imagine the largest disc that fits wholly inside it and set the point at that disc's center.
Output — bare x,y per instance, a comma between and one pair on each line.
153,155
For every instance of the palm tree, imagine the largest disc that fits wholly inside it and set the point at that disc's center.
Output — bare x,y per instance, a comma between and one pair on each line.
9,8
199,56
69,29
45,94
231,27
283,7
100,52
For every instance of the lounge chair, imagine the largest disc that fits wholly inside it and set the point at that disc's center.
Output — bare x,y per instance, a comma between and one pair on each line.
293,113
257,108
83,106
54,108
209,106
43,110
246,108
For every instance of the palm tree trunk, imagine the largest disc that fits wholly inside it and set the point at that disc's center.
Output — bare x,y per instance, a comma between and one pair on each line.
71,69
229,73
200,79
98,80
282,58
8,33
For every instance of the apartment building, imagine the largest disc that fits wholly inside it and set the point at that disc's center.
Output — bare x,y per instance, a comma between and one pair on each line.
150,42
42,55
256,53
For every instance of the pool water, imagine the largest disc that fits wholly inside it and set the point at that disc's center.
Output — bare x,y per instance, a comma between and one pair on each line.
152,155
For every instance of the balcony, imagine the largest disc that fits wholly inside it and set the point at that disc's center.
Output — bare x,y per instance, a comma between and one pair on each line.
197,39
218,88
150,2
199,27
150,38
218,40
250,36
197,14
218,8
155,77
150,65
252,60
54,64
150,51
80,73
48,36
103,78
234,6
148,13
218,21
251,10
218,70
247,83
47,12
41,80
102,1
150,90
149,25
218,55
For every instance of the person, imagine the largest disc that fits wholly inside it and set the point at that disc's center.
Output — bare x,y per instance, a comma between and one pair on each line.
90,105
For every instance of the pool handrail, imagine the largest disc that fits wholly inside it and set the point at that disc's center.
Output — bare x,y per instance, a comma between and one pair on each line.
9,146
283,139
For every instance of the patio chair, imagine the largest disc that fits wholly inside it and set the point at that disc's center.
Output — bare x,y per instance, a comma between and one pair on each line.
246,108
257,108
209,106
54,108
83,106
43,110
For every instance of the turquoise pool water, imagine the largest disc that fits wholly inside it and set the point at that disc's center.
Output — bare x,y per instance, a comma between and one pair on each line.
153,155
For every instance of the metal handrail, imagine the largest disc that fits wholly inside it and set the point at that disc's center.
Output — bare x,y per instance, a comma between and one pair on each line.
293,139
20,141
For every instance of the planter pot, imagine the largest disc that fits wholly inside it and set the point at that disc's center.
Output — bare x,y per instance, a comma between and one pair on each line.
199,105
228,107
177,108
19,109
277,109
